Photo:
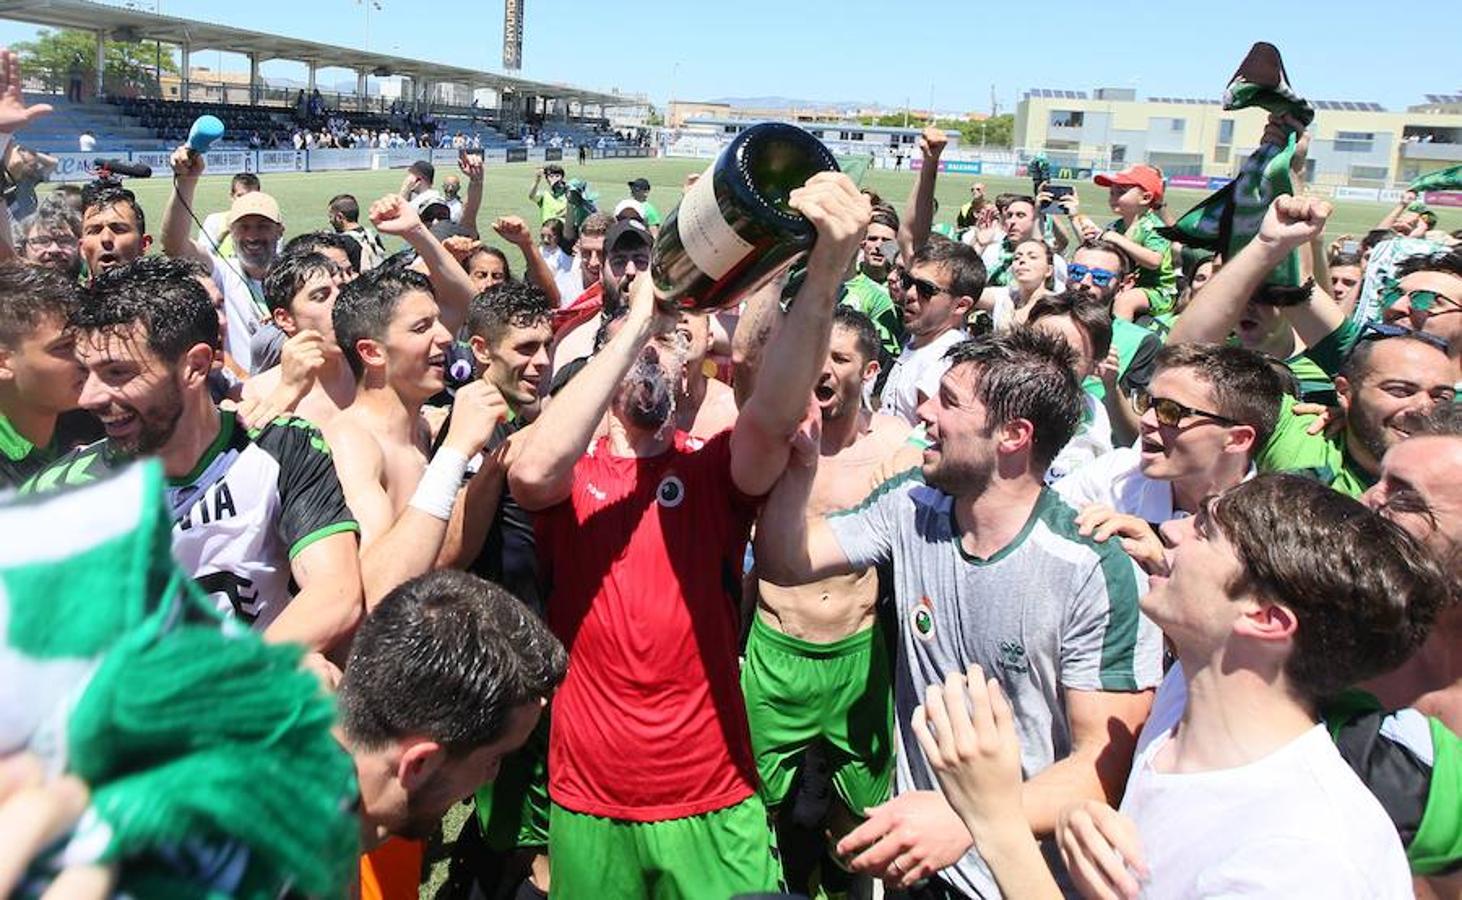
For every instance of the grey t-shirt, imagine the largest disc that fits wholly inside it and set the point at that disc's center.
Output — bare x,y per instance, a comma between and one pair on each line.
1051,611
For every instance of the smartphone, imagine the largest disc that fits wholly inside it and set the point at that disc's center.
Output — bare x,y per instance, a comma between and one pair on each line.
1058,193
1350,248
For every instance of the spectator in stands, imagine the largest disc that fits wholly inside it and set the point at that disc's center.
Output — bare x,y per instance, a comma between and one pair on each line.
86,142
255,224
52,238
344,216
216,225
23,169
113,228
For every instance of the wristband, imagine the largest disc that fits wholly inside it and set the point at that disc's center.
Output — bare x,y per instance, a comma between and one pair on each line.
437,492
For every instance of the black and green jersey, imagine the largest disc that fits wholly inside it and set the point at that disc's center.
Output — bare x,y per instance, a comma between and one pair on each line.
19,458
251,504
1413,765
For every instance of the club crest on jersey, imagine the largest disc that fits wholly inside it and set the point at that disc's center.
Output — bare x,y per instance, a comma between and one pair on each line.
922,621
671,492
1012,657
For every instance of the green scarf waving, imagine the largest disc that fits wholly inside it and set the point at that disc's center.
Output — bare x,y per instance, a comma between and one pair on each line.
1442,180
1229,219
208,753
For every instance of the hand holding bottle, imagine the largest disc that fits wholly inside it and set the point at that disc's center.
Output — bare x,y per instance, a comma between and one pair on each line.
840,214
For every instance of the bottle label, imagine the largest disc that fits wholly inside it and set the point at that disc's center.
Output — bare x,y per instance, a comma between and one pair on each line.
709,240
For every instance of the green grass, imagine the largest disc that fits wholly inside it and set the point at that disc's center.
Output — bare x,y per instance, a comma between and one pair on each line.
303,196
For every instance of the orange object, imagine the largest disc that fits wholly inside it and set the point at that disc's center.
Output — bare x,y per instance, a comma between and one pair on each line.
392,871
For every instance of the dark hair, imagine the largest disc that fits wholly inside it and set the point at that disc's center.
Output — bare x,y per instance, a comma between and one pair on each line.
29,294
1124,261
1358,363
1018,198
63,196
1364,591
98,196
1087,313
492,251
245,179
1376,236
365,307
865,334
1447,262
1445,420
1003,200
885,215
555,225
175,311
553,169
1026,374
966,270
316,241
448,657
289,274
346,206
424,170
1345,259
512,304
1245,387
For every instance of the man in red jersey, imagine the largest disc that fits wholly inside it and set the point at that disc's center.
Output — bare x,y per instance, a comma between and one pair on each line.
642,540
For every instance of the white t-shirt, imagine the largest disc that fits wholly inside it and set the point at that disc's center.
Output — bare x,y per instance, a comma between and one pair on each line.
570,283
917,371
559,261
86,143
243,301
1297,823
1092,441
1116,480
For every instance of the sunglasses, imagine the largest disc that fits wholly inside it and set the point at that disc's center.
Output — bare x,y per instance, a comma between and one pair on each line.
1379,331
1170,413
927,289
1419,300
1099,277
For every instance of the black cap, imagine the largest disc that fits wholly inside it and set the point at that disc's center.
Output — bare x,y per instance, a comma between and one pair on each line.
639,184
626,229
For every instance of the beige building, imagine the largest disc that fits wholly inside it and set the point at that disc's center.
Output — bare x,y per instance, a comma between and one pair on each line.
1356,143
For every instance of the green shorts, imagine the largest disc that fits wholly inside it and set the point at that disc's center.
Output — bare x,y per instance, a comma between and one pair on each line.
513,809
840,693
717,854
1159,302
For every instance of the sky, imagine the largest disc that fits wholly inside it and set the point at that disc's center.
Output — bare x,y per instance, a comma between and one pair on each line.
884,53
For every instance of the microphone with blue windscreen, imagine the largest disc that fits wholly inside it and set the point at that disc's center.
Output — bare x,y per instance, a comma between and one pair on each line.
205,131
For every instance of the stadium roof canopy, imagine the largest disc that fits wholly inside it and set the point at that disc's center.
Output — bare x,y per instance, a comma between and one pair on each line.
123,24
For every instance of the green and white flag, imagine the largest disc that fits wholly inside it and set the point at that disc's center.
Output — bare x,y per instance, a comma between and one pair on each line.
1229,219
208,753
1443,180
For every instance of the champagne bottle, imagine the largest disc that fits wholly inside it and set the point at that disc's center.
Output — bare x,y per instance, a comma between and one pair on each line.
733,230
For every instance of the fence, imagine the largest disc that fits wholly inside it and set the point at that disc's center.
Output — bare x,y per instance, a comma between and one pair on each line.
82,166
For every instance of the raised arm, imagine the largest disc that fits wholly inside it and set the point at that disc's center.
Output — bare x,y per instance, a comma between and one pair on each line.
450,284
796,353
395,548
918,215
535,268
1288,223
471,165
762,317
544,475
533,192
176,221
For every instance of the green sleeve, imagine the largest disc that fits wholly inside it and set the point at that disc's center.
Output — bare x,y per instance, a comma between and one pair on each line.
1330,352
1437,845
1291,449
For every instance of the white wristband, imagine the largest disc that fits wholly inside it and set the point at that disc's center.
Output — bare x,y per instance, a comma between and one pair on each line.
437,492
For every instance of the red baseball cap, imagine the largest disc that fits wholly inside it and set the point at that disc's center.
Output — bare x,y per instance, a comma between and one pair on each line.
1145,177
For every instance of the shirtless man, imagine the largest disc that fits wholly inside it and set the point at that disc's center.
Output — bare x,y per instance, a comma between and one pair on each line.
816,670
704,406
387,326
301,293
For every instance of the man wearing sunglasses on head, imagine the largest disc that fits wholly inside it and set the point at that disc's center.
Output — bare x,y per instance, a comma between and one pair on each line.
939,289
1385,375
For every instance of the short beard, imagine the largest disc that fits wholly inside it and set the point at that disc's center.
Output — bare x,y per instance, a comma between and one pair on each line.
1370,434
159,425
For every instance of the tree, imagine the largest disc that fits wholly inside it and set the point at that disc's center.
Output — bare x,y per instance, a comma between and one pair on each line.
654,118
54,55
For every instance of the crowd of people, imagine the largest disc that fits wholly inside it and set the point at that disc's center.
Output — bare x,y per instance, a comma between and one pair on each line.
1036,555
